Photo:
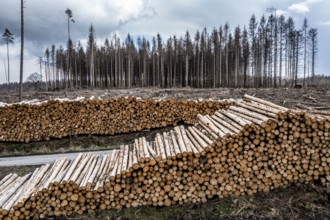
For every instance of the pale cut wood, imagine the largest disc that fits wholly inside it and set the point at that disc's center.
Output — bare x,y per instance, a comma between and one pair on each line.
34,182
180,139
53,172
185,139
204,120
99,186
28,188
135,162
102,168
171,145
226,126
112,167
208,133
202,143
61,172
125,158
113,160
175,143
72,168
77,171
151,150
160,143
202,135
136,149
85,171
14,187
259,108
283,109
116,164
251,114
246,117
5,179
130,159
43,177
8,187
10,202
222,128
92,177
319,112
197,148
121,160
154,146
146,153
241,121
211,132
5,184
84,181
140,150
232,123
167,146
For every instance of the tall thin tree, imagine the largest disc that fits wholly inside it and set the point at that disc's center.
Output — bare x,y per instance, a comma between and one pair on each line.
22,52
304,29
9,39
68,12
312,34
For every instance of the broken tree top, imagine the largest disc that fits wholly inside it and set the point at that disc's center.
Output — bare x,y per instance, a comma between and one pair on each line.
252,145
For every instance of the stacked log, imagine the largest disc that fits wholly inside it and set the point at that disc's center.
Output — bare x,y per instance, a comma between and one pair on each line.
252,146
25,122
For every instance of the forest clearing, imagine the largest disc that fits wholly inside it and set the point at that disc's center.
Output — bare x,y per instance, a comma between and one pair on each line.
172,166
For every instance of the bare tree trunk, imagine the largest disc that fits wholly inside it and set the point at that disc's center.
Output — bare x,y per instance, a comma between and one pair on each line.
22,52
275,53
4,63
8,62
187,70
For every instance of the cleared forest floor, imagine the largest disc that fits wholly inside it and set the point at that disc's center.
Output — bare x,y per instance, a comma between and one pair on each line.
288,97
310,201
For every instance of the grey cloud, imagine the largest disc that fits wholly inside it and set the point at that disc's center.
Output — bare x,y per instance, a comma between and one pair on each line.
46,21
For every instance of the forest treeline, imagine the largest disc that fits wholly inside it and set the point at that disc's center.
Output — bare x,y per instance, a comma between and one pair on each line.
270,52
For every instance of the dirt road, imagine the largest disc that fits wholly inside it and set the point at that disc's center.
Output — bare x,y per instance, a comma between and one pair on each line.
39,159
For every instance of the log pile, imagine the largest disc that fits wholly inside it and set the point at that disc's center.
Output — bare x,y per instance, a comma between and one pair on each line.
25,122
252,146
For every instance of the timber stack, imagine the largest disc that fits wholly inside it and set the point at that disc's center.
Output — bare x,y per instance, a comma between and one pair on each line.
24,122
252,146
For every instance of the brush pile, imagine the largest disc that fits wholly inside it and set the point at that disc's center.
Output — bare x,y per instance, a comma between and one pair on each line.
252,146
25,122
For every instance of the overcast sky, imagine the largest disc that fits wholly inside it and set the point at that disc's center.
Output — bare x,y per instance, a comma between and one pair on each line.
46,24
